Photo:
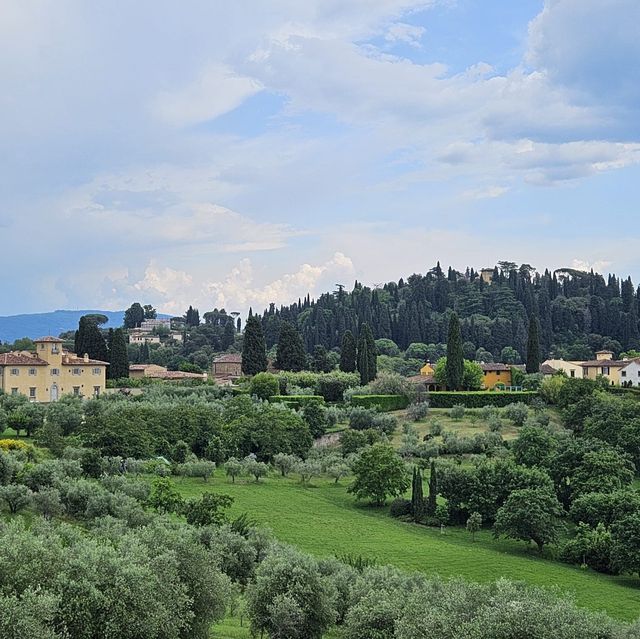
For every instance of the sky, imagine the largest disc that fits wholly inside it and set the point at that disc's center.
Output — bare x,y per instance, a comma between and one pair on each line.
233,154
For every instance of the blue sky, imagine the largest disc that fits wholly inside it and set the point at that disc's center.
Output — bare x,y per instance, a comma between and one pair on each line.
233,154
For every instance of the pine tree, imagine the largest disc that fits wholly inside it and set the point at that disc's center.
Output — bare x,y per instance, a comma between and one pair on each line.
418,506
254,351
134,316
118,357
290,355
533,347
348,353
455,355
433,489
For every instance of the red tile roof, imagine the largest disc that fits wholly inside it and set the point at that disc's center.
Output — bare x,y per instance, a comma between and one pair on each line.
176,375
229,358
594,363
20,359
48,338
495,367
71,359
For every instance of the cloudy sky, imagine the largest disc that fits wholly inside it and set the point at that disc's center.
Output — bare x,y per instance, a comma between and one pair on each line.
235,153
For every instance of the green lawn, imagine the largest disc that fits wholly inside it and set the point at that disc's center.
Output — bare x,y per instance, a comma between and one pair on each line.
325,520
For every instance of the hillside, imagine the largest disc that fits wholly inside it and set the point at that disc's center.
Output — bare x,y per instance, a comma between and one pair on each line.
13,327
579,312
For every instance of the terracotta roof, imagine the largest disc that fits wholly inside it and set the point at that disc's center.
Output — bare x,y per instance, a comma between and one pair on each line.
70,359
495,367
603,352
20,359
176,375
545,369
612,363
138,367
229,358
48,338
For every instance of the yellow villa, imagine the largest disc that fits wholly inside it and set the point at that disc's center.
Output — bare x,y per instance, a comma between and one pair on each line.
604,365
51,372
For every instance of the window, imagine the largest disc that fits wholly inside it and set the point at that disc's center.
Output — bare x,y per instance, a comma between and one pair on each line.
14,391
76,371
96,371
32,392
41,347
96,391
15,371
623,373
55,371
54,350
605,370
76,391
573,373
32,371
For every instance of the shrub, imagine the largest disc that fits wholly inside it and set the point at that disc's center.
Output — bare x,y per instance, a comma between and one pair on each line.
457,411
495,424
382,402
517,413
296,402
386,424
542,418
15,444
400,507
478,399
264,385
419,411
436,428
361,418
392,384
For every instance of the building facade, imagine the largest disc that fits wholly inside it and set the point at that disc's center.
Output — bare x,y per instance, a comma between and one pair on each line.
495,375
50,372
229,365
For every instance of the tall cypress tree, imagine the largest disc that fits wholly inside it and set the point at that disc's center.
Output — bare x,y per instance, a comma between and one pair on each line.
290,355
455,355
433,489
367,361
118,357
228,334
89,340
254,350
348,353
418,507
533,346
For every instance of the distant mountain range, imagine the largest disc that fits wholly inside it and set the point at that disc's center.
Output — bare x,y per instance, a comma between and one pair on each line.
33,325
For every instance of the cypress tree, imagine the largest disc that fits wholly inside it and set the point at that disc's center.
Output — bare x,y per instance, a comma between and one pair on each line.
455,355
418,508
144,353
367,361
348,353
229,334
134,316
89,340
118,357
254,350
290,355
433,489
533,347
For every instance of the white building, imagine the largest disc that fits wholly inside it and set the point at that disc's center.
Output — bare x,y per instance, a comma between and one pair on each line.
630,374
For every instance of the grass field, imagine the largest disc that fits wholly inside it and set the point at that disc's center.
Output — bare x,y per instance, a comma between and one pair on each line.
324,520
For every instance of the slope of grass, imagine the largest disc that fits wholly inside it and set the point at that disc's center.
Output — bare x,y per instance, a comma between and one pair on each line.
324,520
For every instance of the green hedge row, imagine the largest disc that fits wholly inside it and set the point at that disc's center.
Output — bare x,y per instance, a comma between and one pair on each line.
478,399
295,401
383,402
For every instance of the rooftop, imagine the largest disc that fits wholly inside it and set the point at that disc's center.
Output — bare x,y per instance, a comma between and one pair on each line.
229,358
48,338
21,359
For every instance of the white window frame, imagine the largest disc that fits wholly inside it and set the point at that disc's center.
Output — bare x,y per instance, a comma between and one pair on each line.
76,371
55,371
15,371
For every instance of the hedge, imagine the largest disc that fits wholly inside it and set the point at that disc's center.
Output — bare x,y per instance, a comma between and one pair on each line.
295,401
478,399
383,402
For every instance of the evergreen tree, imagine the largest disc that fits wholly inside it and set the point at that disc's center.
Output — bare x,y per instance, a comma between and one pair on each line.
144,353
254,350
455,355
367,359
228,335
433,489
290,355
418,506
192,317
134,316
321,363
118,357
533,347
89,340
348,353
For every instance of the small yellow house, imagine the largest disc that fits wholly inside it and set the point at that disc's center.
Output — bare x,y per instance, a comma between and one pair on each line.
427,370
495,374
50,372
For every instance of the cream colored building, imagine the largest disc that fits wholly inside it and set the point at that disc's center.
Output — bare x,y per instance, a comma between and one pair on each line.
50,372
138,337
570,369
604,365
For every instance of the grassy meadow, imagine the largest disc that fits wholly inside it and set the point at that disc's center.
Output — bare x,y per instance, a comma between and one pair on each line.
324,519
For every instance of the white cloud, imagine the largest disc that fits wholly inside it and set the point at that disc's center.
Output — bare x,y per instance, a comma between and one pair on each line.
407,33
216,91
490,192
598,265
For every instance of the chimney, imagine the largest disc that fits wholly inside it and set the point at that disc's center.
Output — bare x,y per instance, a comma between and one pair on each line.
86,357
